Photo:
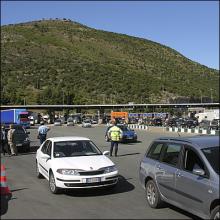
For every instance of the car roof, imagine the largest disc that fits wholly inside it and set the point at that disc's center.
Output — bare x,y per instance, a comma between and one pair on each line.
68,138
201,141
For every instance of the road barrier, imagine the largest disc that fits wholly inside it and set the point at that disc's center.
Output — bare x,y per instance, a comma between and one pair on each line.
178,129
193,130
136,126
4,189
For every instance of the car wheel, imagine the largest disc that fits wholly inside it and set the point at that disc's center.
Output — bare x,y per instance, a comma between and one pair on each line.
27,148
152,194
215,213
52,184
39,175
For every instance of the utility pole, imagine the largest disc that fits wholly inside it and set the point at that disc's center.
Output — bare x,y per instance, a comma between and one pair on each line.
211,95
63,101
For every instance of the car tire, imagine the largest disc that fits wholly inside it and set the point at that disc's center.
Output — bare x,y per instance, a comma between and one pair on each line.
215,213
27,148
152,194
39,175
52,184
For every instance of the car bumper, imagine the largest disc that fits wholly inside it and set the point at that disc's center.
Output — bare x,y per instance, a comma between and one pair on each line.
63,181
129,139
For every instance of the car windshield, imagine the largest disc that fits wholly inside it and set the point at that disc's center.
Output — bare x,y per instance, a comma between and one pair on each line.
75,148
212,155
124,128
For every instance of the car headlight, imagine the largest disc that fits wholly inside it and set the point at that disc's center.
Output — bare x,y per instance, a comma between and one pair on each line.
68,172
110,169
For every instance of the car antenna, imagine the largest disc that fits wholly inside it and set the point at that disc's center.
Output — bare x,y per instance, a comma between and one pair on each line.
178,134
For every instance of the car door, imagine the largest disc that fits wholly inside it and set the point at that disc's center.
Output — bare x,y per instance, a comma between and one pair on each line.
47,161
165,171
191,188
42,159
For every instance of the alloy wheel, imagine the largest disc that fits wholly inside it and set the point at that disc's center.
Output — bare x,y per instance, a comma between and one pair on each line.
151,195
52,183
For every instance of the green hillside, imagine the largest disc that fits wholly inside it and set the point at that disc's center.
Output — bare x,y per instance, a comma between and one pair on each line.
56,61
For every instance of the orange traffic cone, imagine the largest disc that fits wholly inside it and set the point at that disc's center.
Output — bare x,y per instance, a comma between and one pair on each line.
4,190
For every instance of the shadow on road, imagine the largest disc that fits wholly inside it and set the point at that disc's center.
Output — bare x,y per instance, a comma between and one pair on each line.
33,150
166,205
122,187
130,143
122,155
14,190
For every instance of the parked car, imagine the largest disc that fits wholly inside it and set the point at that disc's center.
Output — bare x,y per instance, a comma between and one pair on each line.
58,122
21,137
204,124
74,162
190,123
129,135
86,123
183,171
70,122
215,124
157,122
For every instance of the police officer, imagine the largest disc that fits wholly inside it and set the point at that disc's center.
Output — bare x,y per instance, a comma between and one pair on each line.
42,132
115,135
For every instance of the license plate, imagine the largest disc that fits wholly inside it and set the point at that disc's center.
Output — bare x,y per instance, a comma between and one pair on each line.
93,180
19,145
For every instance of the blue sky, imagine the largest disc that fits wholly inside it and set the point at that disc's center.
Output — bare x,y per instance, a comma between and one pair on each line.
190,27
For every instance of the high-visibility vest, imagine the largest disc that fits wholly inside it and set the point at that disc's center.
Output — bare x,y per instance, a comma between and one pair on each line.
115,133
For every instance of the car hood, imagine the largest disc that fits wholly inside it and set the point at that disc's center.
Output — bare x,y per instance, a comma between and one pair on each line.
129,133
82,162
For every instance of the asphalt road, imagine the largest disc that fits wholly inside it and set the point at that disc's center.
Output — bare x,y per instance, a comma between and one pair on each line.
32,199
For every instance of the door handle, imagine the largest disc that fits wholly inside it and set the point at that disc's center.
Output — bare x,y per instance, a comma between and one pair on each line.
179,175
158,167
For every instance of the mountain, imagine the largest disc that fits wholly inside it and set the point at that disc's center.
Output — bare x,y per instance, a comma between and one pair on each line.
61,61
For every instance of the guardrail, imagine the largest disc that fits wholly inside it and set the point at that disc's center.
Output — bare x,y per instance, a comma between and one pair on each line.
135,126
178,129
193,130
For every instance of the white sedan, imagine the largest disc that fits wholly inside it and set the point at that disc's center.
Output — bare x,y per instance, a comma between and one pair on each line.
86,124
74,162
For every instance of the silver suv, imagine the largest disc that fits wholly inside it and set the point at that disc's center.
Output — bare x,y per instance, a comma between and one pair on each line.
183,171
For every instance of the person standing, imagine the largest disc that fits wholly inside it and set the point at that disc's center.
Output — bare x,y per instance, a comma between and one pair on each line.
4,141
11,141
115,135
42,132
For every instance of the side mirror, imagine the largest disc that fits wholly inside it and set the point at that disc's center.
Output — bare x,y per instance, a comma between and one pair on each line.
46,157
105,152
199,172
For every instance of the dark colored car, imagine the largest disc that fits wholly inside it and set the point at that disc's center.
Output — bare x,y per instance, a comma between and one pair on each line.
157,122
215,124
205,124
129,135
183,171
